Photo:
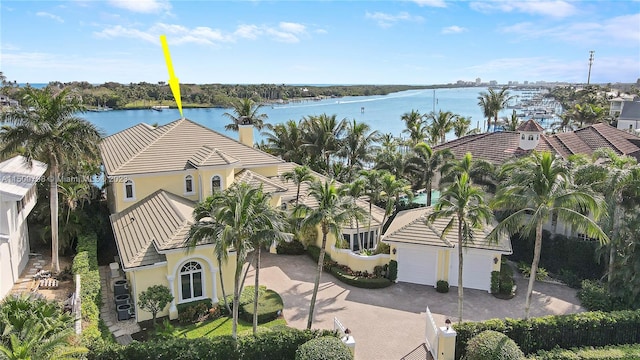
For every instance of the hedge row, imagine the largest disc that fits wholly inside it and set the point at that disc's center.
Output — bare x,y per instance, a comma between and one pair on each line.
564,331
294,247
85,263
620,352
361,282
327,347
271,345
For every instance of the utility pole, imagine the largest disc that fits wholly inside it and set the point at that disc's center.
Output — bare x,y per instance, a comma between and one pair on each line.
590,63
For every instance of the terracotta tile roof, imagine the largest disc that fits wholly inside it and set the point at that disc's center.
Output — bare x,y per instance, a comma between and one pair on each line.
494,147
498,147
17,177
172,147
410,227
530,125
161,221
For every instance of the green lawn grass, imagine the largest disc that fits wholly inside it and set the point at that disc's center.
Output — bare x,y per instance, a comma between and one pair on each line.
222,326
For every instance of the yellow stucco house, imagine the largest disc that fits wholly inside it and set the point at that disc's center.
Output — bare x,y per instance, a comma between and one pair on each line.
155,177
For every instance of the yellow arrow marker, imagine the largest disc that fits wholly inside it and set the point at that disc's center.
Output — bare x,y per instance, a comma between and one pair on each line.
174,84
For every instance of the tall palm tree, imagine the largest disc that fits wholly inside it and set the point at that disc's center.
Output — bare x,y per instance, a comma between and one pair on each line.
245,112
441,123
285,140
535,188
74,194
481,172
416,128
426,164
492,102
238,219
52,133
392,188
323,137
355,190
623,173
358,144
373,188
513,122
332,212
395,162
461,126
299,175
463,204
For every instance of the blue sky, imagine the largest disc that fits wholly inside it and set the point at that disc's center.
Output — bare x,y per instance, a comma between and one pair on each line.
320,42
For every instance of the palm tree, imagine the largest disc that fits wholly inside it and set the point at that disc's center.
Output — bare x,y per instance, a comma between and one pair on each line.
285,140
481,172
441,124
492,102
392,188
395,162
323,137
463,204
355,190
426,164
623,173
536,188
416,128
332,212
238,219
373,188
32,343
461,126
358,144
74,194
245,112
513,122
299,175
52,133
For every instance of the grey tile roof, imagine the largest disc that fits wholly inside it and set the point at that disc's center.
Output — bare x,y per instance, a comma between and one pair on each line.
17,176
630,111
173,147
411,227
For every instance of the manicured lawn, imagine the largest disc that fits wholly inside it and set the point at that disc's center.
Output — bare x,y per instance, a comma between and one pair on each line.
221,326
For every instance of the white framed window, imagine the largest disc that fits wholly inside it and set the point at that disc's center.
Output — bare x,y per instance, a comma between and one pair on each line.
129,190
188,184
522,137
530,137
191,281
216,184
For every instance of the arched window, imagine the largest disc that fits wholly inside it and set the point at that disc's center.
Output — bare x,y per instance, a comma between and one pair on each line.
537,136
216,184
522,137
129,190
188,184
530,137
191,281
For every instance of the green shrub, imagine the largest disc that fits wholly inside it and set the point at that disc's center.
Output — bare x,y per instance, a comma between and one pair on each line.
495,282
393,270
195,311
270,305
294,247
566,331
324,348
570,278
525,269
493,345
594,296
382,248
277,345
378,271
621,352
442,286
358,281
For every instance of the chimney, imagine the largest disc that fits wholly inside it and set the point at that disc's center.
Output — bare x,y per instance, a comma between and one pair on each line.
245,131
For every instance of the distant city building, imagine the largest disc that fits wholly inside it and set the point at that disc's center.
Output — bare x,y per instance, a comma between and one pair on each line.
526,82
493,82
478,81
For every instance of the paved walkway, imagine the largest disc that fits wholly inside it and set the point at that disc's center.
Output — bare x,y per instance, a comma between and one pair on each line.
121,330
390,323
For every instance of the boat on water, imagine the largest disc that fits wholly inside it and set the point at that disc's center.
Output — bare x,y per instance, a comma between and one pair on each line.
101,108
159,107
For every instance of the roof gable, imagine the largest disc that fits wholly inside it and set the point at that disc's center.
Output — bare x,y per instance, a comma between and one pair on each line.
530,126
17,176
630,111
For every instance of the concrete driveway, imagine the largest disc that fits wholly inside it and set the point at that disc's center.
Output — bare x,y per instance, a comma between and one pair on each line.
389,323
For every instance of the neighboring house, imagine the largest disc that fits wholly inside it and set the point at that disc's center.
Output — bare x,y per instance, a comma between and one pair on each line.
629,118
6,101
155,177
18,183
425,257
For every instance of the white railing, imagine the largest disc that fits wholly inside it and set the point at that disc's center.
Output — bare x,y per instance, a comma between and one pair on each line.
346,337
77,306
432,335
337,326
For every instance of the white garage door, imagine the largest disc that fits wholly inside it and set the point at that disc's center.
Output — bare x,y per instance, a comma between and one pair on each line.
476,270
417,265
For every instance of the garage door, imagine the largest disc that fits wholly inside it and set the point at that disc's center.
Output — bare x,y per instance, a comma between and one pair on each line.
416,265
476,270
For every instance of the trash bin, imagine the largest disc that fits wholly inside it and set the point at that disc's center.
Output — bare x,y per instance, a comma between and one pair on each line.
124,312
120,287
115,270
122,299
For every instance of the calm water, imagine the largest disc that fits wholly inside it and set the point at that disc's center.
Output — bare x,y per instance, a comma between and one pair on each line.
382,113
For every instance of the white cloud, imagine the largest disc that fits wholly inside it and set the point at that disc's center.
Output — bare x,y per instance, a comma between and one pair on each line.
621,30
142,6
453,29
432,3
386,20
557,8
50,16
323,31
178,34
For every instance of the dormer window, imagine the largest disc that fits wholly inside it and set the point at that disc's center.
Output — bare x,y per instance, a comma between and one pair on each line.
188,184
530,137
522,137
216,184
129,190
